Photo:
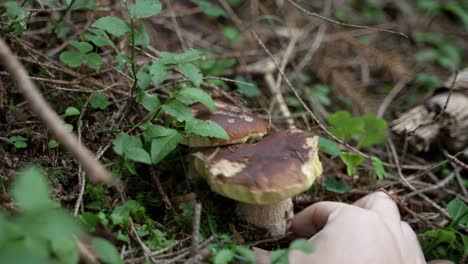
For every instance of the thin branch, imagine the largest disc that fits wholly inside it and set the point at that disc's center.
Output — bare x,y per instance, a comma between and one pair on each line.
50,119
316,15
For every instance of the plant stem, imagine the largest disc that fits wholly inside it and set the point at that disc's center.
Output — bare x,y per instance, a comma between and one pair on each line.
66,11
132,57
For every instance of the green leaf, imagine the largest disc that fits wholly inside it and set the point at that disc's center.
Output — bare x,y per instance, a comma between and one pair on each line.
321,91
138,154
122,61
250,91
61,29
124,141
352,161
458,211
148,101
192,73
177,109
71,111
94,60
232,34
82,47
210,9
98,101
31,191
246,253
106,251
303,245
156,131
145,8
440,236
98,38
141,37
113,25
223,256
82,4
336,185
374,131
65,250
162,146
53,144
345,125
158,72
379,168
426,55
195,95
329,147
19,141
144,79
279,256
169,58
205,128
71,58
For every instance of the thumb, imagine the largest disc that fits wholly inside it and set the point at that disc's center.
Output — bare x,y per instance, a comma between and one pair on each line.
312,219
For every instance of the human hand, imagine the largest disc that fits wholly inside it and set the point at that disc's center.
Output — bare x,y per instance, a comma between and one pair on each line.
368,231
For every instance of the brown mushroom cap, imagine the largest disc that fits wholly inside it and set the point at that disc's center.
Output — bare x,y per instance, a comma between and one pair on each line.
278,167
239,125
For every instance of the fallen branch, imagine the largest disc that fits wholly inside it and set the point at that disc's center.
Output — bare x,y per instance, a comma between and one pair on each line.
51,120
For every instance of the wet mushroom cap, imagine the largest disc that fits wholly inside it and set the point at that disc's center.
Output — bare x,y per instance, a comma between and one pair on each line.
277,167
239,125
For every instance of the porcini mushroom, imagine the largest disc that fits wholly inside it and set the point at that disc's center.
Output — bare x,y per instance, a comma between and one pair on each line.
263,176
238,124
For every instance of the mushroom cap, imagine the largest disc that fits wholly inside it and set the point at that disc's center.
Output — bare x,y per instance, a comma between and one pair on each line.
275,168
239,125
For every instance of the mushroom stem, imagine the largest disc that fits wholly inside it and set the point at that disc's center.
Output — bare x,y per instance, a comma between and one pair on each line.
273,217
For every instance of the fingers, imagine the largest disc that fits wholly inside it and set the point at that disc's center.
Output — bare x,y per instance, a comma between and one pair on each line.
312,219
411,250
382,204
261,256
440,261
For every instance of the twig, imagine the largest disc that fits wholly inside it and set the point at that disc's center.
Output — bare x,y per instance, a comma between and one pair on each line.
161,191
85,254
390,96
457,161
179,34
196,228
448,97
439,185
316,15
407,209
81,174
50,119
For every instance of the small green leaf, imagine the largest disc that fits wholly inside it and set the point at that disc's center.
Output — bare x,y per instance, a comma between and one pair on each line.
99,101
246,253
148,101
123,141
209,8
329,147
321,91
138,154
192,73
82,47
352,161
223,256
336,185
20,144
162,146
379,168
71,58
112,25
142,37
177,109
458,211
169,58
374,131
158,72
145,8
250,91
232,34
205,128
31,191
144,79
345,126
156,131
94,60
303,245
71,111
195,95
53,144
106,251
98,38
122,61
279,256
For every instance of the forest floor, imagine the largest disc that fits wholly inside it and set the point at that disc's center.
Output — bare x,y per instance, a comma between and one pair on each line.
263,56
